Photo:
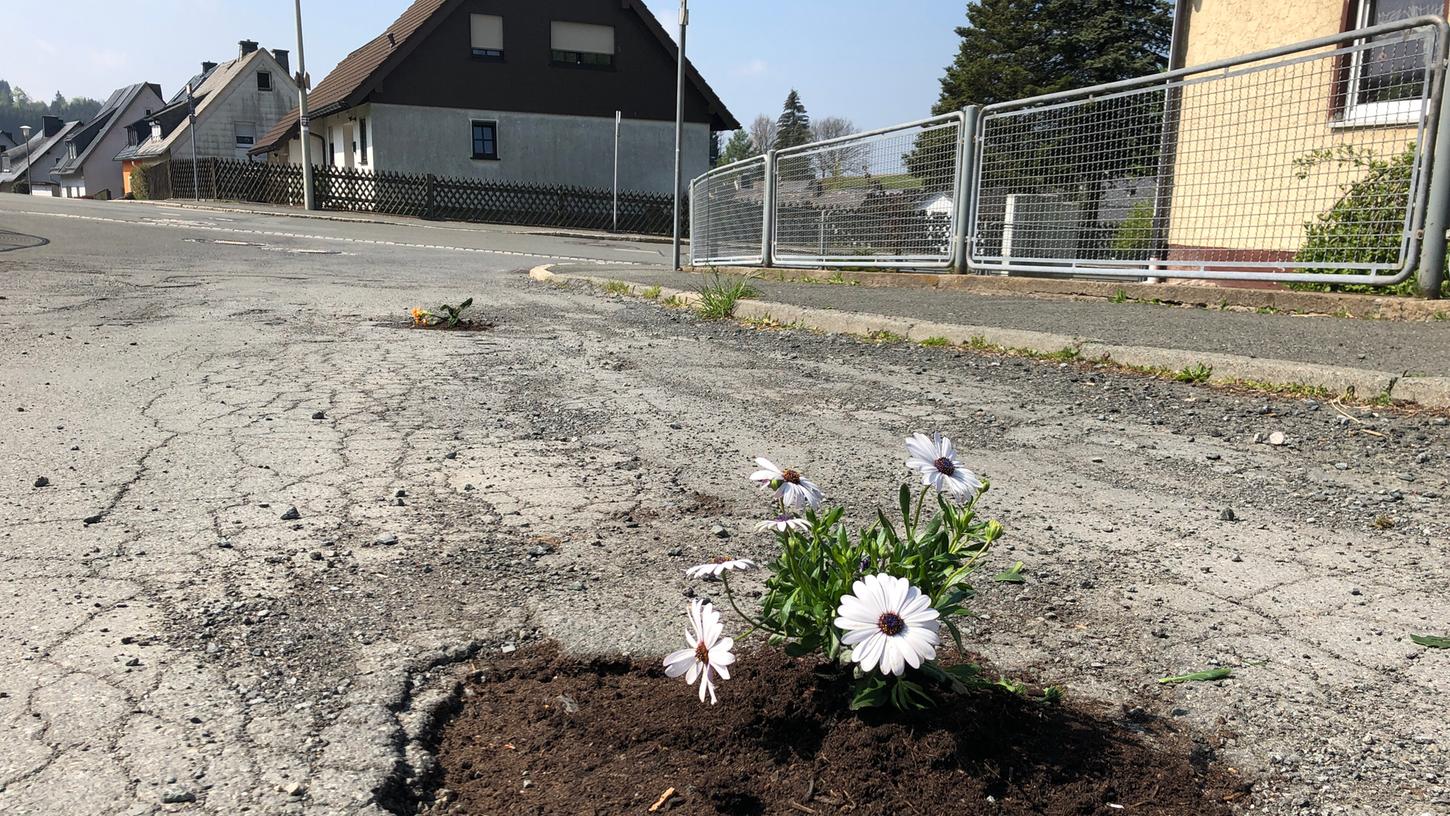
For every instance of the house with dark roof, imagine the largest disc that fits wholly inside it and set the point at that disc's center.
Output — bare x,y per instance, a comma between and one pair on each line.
31,161
233,102
87,169
511,90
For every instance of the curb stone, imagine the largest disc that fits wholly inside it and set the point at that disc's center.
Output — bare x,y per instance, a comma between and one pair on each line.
1228,369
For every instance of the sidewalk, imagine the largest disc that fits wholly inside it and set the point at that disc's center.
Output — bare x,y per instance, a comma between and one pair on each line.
1408,360
254,208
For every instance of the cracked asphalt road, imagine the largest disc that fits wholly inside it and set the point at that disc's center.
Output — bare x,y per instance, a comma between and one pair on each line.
190,651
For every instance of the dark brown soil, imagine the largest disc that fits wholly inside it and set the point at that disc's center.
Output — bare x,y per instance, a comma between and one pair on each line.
460,326
544,734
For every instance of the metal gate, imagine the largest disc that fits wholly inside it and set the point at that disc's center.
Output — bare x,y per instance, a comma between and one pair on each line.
727,215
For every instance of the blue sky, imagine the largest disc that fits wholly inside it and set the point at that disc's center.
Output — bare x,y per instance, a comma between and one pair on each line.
872,62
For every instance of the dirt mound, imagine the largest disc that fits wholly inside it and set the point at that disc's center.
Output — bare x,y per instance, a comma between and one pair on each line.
543,734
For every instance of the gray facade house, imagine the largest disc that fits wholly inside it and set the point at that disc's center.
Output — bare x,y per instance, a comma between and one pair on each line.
88,169
513,91
44,151
234,103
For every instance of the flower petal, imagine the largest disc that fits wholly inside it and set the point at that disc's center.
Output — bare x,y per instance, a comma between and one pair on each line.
677,663
855,635
868,654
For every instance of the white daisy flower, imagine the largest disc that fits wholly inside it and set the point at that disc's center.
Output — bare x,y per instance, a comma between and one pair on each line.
782,523
888,623
705,651
720,565
790,487
935,459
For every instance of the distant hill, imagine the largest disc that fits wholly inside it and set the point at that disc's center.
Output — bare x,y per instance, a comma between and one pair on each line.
18,108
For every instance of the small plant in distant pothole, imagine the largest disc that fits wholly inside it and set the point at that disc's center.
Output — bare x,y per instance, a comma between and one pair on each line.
873,602
446,316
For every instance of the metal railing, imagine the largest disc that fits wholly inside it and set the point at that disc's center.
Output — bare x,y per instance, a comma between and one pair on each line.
1305,163
727,214
881,198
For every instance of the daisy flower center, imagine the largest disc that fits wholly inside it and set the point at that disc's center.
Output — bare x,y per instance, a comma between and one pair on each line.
945,466
722,559
890,624
702,652
790,476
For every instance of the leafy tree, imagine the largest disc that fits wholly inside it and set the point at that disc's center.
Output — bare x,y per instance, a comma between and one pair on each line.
7,99
738,148
846,159
793,128
18,108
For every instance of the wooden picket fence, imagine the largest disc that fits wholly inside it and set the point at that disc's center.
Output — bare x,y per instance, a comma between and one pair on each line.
422,196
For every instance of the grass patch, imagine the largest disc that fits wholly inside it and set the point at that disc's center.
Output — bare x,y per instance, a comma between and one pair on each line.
652,293
616,287
1196,373
719,296
936,342
1119,296
1298,390
885,337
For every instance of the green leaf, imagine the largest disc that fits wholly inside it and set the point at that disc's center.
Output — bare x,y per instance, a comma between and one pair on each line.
871,692
1208,675
904,497
465,304
1012,575
1432,641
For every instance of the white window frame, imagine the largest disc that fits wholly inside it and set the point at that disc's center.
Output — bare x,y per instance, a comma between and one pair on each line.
1401,112
238,136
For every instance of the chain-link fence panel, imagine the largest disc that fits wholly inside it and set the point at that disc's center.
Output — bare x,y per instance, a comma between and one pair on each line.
1305,163
881,198
727,215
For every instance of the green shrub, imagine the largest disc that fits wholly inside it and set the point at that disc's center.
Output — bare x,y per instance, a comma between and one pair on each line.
1135,234
1363,225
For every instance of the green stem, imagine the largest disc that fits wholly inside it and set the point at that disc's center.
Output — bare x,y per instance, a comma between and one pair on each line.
754,624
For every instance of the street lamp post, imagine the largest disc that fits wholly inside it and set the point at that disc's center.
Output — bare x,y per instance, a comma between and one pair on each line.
25,135
680,127
191,126
308,201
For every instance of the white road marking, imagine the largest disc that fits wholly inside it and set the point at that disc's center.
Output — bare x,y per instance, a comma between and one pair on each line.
177,223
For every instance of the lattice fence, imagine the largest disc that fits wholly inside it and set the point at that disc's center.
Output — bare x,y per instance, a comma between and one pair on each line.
425,196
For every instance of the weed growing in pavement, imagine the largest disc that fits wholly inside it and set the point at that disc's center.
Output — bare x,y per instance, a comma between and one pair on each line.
675,302
616,287
718,298
936,342
1299,390
1196,373
873,601
651,293
446,316
1119,296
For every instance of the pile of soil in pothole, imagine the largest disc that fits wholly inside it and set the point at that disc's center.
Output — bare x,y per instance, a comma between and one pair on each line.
544,734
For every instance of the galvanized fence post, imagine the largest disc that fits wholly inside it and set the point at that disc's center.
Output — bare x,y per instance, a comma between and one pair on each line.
966,169
767,231
1437,205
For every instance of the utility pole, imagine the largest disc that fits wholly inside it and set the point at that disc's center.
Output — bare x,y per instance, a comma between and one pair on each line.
191,125
25,134
618,116
680,126
308,201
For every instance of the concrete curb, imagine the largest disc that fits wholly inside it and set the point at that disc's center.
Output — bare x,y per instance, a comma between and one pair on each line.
1227,369
1187,294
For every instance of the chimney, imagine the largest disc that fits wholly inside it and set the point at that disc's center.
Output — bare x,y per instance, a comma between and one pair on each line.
207,67
280,55
50,125
248,46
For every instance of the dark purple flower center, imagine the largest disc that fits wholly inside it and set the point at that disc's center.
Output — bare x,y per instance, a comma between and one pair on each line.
790,476
945,466
702,652
890,624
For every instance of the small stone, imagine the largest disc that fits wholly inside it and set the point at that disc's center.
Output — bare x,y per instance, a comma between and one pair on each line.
1237,559
1228,514
538,550
509,648
577,586
177,796
399,503
41,481
468,488
675,552
386,540
451,455
1213,457
400,494
96,519
224,544
295,789
318,415
719,532
1277,439
315,555
291,514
